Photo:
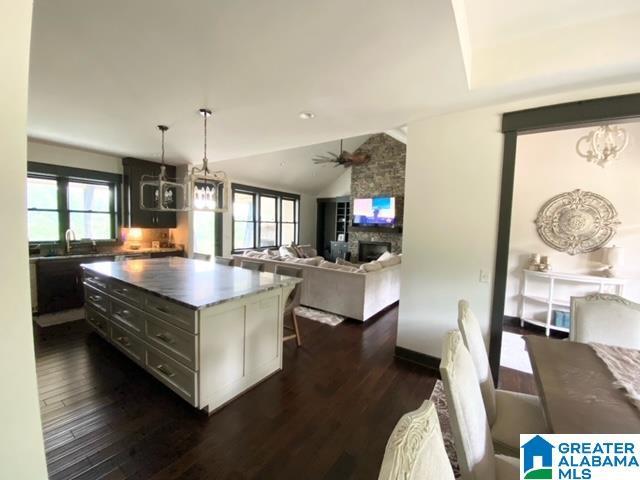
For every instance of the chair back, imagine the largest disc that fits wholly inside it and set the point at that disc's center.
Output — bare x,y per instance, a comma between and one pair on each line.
201,256
294,297
605,318
224,261
473,340
415,450
257,266
471,432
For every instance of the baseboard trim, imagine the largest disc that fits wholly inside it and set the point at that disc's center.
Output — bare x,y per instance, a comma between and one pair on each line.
432,363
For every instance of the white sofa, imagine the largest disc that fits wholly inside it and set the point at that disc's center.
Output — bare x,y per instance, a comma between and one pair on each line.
354,295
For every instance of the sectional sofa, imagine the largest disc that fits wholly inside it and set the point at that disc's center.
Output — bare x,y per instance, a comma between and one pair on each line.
354,291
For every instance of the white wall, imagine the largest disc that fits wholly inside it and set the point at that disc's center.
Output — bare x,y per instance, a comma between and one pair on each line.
451,211
450,216
340,187
21,443
547,164
44,152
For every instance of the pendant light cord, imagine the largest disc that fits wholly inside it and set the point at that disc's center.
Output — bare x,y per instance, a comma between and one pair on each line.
205,160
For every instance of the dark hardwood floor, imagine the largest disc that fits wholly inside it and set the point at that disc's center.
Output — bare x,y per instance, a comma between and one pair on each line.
327,415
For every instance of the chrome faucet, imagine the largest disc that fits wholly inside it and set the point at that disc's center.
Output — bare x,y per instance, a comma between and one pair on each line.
67,238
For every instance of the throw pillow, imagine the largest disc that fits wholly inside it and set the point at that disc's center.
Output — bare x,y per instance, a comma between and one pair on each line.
386,255
373,266
305,261
307,251
334,266
288,252
342,261
390,260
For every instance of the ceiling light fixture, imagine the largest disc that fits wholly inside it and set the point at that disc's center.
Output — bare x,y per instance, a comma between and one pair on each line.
208,191
159,193
603,145
306,115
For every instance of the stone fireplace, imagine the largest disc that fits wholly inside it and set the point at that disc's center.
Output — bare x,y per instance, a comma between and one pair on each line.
368,251
384,175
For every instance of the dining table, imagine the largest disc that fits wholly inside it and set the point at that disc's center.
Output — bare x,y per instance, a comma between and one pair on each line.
577,389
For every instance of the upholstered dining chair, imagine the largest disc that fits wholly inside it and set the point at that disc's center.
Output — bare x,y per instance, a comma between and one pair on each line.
292,302
415,450
201,256
605,318
509,413
224,261
257,266
471,433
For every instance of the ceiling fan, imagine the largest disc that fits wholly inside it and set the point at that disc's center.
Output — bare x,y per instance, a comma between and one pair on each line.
344,158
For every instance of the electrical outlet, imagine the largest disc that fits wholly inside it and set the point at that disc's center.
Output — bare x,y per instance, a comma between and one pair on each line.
484,276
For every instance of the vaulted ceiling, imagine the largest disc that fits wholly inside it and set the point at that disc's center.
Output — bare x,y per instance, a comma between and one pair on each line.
104,73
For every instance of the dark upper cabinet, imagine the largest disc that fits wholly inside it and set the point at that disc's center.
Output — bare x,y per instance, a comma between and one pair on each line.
134,216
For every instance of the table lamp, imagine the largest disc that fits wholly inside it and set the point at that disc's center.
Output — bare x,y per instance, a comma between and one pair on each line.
612,257
133,237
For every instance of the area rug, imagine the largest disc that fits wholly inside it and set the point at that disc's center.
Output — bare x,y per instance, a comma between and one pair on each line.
624,365
319,316
440,400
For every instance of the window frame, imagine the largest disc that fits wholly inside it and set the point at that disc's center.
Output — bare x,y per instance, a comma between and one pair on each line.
257,193
63,175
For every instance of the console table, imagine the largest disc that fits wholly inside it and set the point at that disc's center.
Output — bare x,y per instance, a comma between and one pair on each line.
553,302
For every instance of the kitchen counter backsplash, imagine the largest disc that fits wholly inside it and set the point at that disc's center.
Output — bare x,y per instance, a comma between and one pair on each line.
102,251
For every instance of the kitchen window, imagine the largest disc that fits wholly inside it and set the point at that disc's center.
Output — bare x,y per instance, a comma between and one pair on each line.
263,218
59,198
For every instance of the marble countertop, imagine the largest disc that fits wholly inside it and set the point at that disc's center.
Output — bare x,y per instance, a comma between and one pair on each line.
141,251
196,284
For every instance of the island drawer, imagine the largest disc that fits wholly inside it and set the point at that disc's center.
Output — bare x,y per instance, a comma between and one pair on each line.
173,313
128,317
96,299
178,378
173,341
95,280
123,292
97,321
130,344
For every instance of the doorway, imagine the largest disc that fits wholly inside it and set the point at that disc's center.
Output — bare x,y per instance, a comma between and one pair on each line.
588,113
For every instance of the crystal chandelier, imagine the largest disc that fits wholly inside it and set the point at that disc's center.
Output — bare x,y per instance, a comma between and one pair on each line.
603,145
159,193
208,190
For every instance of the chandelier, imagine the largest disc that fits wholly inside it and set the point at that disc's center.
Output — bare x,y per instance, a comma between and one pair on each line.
158,193
208,190
603,145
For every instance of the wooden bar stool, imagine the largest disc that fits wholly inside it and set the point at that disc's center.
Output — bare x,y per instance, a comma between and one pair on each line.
224,261
292,302
256,266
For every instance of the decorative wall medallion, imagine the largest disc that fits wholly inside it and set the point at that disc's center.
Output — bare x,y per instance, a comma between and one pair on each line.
577,222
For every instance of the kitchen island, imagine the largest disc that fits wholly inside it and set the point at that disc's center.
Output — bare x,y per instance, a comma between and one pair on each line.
207,331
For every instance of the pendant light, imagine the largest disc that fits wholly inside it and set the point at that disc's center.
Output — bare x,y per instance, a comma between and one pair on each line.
208,190
159,193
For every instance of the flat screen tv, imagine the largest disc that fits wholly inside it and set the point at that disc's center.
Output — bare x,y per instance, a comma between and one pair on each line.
374,212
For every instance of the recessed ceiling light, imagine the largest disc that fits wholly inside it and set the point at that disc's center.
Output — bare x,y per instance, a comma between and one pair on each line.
306,115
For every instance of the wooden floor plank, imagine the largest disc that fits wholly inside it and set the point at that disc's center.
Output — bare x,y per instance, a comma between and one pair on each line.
327,415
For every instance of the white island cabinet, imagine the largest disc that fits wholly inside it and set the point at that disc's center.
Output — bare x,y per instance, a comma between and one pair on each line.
207,331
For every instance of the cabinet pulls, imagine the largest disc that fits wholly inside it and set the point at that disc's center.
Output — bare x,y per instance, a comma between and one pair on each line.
162,368
165,337
124,341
